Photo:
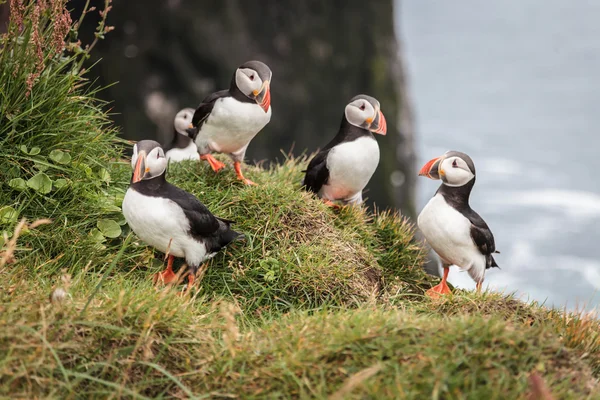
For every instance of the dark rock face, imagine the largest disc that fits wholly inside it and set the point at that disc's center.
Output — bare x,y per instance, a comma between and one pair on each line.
4,13
169,54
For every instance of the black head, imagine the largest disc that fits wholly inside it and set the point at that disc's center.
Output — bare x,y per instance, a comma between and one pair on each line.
253,79
454,168
148,160
365,112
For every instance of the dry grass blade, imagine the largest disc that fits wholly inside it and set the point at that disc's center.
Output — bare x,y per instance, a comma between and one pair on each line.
539,390
10,245
354,381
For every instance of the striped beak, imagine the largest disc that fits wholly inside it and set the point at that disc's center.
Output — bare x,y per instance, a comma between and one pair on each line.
431,169
140,167
263,96
377,124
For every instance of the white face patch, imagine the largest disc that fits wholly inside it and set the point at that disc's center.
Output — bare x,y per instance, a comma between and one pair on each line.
156,163
359,111
134,156
183,119
248,81
454,171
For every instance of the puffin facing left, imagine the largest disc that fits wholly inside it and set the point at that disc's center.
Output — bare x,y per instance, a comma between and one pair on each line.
169,218
457,233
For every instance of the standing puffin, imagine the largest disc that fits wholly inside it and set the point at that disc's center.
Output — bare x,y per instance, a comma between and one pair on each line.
226,121
181,146
343,168
457,233
169,218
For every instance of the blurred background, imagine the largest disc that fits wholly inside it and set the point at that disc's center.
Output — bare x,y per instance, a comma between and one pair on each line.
515,84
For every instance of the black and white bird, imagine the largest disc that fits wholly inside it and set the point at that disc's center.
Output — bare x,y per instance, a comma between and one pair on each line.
181,147
226,121
343,168
457,233
169,218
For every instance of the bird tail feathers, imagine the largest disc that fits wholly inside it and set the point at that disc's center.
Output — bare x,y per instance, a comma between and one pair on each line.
491,263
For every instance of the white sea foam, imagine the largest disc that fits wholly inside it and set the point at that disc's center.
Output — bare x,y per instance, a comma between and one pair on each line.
571,203
523,272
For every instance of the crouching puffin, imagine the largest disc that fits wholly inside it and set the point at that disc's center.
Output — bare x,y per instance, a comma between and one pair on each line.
181,146
226,121
343,168
457,233
169,218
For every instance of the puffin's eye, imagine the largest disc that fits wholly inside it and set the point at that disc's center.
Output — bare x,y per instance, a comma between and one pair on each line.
251,77
157,155
454,164
362,106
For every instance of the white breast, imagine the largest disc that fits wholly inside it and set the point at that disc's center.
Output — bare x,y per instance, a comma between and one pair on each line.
351,165
448,232
231,125
158,221
188,153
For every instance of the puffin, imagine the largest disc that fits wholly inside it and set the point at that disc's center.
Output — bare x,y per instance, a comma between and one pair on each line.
455,232
228,120
181,147
342,169
170,219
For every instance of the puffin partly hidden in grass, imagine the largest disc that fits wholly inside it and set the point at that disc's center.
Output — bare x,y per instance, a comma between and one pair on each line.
226,121
343,168
457,233
169,218
181,146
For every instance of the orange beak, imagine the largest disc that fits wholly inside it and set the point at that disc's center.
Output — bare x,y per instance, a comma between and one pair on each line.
263,98
379,125
140,168
430,169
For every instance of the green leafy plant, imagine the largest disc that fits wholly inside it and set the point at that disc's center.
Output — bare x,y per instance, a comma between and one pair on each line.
56,141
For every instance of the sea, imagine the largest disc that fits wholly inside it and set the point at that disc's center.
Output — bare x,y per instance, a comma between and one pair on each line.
516,85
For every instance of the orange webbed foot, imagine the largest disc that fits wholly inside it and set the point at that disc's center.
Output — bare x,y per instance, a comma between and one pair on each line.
215,164
249,182
167,276
438,291
442,288
332,204
238,170
190,285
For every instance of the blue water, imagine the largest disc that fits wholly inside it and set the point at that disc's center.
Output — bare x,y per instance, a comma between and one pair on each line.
516,85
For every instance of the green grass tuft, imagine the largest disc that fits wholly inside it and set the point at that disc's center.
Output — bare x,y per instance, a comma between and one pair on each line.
56,144
134,341
298,254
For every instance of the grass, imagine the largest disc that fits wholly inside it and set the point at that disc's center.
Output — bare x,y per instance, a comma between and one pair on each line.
298,253
136,341
56,141
314,304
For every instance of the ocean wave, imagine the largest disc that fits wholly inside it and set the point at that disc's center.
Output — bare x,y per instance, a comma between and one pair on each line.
570,202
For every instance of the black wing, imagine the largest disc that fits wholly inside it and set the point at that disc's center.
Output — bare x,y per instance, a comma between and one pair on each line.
483,237
317,173
205,108
481,233
202,221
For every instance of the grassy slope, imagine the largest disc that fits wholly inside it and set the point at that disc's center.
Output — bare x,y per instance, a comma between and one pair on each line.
315,303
